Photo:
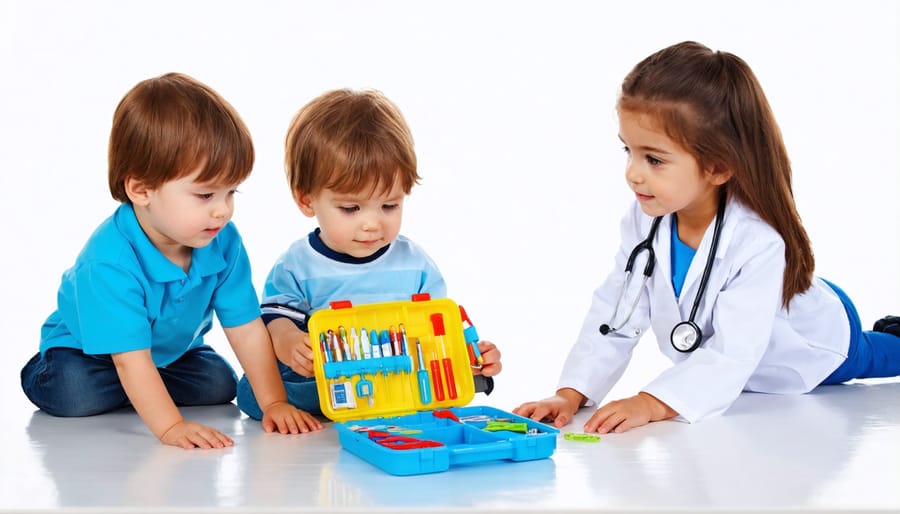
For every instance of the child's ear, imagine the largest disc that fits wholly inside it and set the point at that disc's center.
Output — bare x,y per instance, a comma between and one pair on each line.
137,191
304,201
719,174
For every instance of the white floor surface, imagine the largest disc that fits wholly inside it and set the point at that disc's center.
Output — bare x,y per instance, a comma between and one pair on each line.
512,107
836,449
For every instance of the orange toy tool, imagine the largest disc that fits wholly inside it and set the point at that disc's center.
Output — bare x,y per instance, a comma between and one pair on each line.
437,324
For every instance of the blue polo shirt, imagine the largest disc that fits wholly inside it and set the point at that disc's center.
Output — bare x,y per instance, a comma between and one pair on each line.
123,294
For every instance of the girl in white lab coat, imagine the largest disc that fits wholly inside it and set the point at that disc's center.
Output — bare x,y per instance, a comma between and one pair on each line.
712,184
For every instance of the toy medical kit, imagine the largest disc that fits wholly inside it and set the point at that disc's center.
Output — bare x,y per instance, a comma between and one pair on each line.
400,414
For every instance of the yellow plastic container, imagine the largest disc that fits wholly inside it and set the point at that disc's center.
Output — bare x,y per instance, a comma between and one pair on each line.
356,384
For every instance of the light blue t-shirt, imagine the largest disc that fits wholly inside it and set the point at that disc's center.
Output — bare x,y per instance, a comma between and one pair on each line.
123,294
310,275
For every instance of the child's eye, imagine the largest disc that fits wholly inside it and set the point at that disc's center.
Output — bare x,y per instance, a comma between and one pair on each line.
349,209
390,206
626,150
653,161
204,196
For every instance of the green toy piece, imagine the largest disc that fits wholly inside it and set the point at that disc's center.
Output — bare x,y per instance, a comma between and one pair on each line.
495,426
584,438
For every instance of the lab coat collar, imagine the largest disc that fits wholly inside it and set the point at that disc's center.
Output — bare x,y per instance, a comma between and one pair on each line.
734,213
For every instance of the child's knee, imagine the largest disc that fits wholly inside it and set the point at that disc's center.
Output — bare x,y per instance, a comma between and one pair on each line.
225,381
246,400
67,389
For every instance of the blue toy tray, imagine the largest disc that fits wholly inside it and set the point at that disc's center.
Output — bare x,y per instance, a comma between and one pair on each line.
434,441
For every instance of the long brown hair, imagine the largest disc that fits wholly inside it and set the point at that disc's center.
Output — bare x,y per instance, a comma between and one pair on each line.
712,104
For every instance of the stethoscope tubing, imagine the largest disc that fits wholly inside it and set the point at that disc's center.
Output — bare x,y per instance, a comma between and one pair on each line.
696,334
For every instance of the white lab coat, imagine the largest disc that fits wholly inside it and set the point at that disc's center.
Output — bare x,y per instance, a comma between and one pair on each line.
750,342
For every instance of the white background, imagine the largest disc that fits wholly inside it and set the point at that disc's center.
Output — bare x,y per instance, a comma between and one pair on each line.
512,108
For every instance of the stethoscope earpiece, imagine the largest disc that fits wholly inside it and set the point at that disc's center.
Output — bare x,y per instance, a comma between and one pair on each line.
604,329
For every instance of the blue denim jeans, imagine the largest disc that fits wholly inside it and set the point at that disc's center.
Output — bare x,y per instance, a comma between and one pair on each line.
871,354
301,393
68,382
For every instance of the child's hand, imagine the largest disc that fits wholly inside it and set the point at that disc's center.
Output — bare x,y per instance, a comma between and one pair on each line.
288,419
559,408
491,356
189,435
621,415
293,349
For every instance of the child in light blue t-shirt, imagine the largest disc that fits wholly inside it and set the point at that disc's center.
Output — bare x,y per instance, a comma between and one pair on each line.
350,163
133,310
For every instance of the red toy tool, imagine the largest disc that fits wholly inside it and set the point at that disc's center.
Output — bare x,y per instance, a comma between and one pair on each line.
401,442
437,324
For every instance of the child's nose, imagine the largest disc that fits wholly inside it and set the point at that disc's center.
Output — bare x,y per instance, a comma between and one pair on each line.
632,173
370,224
221,210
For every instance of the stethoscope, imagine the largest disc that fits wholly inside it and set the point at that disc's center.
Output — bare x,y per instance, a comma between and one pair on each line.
686,336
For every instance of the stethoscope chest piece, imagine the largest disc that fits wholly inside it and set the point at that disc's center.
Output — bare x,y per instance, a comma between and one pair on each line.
686,336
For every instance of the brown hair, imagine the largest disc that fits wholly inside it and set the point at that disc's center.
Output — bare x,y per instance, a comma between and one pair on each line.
167,126
712,104
349,140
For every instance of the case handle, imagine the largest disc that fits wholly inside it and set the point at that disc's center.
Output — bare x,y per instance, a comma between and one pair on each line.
470,453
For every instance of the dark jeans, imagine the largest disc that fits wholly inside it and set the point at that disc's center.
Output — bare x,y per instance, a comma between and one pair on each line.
68,382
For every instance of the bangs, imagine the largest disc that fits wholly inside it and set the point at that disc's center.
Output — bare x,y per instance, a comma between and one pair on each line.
370,173
221,149
675,119
366,162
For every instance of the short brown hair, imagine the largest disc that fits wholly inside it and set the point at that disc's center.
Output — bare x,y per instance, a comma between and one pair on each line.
348,140
167,126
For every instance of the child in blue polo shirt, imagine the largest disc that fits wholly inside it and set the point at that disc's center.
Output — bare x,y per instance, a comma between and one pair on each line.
350,163
133,310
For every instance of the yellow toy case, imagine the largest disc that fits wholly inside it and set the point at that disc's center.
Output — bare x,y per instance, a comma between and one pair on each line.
395,377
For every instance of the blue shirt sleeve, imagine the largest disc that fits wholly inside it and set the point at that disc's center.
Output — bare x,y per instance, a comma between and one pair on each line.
235,300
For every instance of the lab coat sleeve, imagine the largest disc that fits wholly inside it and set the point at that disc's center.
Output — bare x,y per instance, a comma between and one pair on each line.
709,380
596,361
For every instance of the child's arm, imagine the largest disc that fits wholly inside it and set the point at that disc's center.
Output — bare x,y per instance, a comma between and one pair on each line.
621,415
292,346
253,348
147,393
559,408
